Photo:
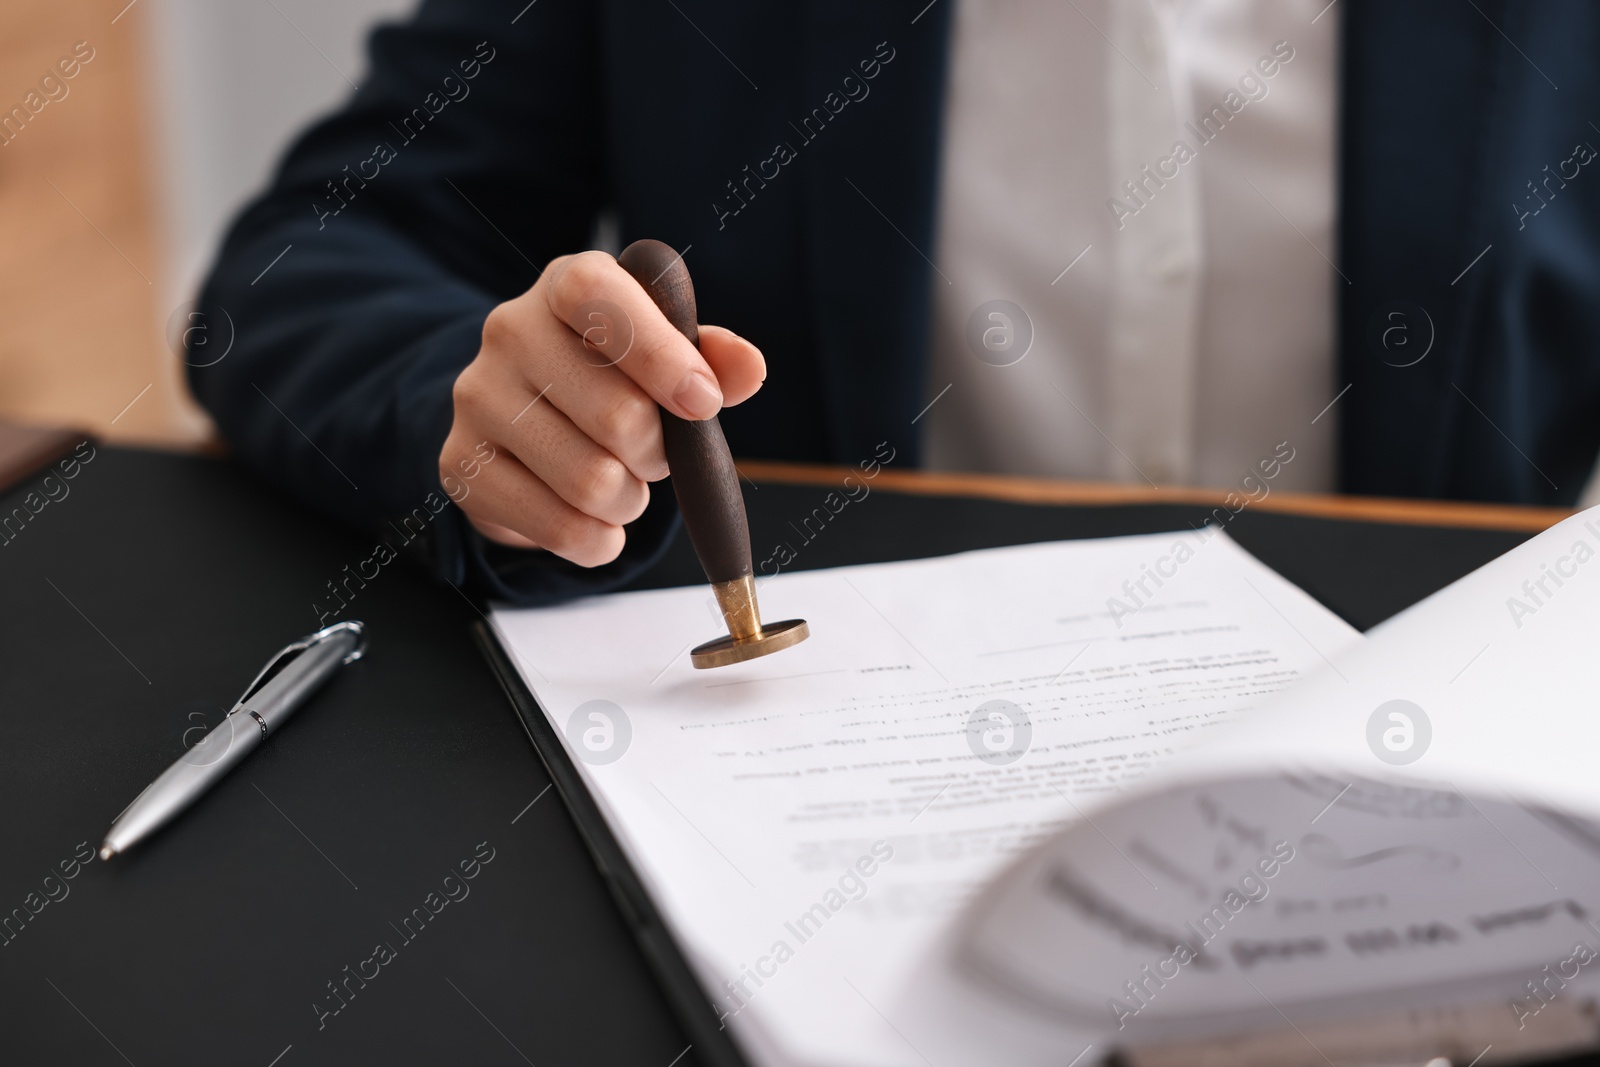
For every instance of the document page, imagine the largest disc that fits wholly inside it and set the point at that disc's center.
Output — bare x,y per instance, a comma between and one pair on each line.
1211,909
810,822
1490,685
1419,826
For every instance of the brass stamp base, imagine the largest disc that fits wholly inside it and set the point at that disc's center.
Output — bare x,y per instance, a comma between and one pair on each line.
773,637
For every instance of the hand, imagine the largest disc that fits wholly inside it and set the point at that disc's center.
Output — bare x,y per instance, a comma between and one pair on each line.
565,389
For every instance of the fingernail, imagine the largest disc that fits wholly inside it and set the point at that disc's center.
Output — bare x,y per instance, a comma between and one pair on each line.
697,396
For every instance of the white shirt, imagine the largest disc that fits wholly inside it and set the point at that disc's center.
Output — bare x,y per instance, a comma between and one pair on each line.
1180,337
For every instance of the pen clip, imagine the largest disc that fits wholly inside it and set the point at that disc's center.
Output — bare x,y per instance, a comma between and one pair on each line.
289,652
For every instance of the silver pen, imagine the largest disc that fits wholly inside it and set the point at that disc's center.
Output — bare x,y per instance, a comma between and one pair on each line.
282,686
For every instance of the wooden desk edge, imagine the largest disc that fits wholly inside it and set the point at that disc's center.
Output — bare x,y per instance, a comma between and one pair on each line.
1048,491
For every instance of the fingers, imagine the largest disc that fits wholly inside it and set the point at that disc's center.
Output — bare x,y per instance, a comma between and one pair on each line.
509,497
539,361
739,366
661,360
581,471
500,534
604,403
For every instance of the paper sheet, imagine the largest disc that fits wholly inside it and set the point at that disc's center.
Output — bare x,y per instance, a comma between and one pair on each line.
809,823
1210,909
1418,826
1501,665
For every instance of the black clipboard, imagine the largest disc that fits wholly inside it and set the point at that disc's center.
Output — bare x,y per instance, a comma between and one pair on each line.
690,1001
1363,571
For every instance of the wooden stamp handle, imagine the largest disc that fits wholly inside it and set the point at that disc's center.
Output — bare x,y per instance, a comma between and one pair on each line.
703,475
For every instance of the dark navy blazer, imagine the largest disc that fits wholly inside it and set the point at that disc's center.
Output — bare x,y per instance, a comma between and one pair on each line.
489,137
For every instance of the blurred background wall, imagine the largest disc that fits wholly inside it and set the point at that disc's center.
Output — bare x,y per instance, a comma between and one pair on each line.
116,183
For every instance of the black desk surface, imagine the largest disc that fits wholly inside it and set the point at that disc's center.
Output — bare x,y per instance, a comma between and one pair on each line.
139,606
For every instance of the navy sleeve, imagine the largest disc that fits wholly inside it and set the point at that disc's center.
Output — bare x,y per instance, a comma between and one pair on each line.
355,287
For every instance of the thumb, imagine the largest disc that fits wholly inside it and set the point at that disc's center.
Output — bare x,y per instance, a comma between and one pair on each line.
739,366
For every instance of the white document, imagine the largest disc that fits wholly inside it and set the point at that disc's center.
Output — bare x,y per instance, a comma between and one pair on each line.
812,824
1414,830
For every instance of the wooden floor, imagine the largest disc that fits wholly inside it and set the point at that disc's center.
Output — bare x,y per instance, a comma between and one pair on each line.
81,321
